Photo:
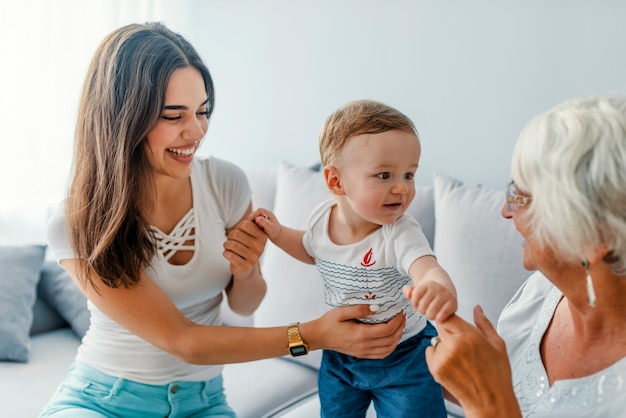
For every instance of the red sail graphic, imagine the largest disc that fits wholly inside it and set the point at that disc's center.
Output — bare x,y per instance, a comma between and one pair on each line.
367,259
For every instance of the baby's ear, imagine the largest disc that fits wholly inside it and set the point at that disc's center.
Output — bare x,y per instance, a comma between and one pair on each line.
333,180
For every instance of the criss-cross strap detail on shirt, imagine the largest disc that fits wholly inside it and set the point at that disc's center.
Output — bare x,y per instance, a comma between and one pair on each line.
182,237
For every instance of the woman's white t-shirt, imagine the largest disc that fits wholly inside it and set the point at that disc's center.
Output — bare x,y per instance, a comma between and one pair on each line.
221,195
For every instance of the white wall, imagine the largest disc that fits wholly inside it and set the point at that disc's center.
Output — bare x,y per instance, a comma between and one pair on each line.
469,73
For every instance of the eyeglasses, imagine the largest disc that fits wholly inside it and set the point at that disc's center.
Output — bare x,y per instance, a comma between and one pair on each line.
513,199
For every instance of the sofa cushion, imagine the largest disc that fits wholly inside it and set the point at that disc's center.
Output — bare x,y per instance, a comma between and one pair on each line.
19,272
307,407
481,250
256,388
423,209
58,290
295,290
26,388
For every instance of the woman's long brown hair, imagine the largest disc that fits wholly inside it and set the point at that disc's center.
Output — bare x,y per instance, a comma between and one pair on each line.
112,185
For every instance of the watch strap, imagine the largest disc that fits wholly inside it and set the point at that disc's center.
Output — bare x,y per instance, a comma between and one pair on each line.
297,347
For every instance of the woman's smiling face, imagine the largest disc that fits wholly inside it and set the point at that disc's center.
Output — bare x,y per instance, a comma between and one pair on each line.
183,122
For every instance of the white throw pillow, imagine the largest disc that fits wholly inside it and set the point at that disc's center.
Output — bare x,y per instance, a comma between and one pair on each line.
423,209
294,289
263,184
480,249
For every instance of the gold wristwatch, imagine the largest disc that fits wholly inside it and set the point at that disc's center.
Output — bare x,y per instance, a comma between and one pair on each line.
297,347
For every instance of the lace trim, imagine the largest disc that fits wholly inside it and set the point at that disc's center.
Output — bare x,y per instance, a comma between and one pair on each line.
170,244
570,396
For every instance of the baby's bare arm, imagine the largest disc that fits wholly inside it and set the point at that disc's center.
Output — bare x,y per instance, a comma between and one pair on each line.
433,293
287,239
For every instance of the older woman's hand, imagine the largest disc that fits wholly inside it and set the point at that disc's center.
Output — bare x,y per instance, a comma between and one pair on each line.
471,363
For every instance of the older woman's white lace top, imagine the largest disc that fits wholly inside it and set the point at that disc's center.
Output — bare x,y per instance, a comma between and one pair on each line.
522,324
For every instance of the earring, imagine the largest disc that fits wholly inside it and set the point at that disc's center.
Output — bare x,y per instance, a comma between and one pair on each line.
591,294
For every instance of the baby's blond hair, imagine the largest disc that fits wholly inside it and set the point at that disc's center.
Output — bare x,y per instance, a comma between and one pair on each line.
357,118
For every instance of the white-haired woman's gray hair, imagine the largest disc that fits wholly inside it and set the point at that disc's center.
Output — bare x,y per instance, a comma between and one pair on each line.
572,160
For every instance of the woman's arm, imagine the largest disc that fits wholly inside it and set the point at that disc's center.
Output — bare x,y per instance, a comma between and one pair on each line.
471,363
243,248
146,311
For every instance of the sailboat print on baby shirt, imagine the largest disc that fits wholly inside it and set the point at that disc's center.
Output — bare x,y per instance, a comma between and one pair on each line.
371,271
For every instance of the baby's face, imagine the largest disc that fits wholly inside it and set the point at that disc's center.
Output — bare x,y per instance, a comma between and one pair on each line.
377,174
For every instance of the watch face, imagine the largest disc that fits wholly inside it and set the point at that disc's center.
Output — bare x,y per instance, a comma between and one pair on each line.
298,350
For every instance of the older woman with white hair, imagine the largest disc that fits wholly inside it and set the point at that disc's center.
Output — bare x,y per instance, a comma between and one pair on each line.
560,348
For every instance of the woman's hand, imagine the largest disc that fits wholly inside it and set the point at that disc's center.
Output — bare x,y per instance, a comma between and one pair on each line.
244,245
243,248
472,364
338,331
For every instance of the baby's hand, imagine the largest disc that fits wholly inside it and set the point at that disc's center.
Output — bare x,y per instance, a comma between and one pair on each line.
267,221
432,299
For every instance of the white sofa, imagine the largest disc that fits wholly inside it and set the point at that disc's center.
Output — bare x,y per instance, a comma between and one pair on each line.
480,250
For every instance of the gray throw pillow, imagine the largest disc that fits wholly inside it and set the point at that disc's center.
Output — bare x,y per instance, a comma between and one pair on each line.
19,273
45,318
58,290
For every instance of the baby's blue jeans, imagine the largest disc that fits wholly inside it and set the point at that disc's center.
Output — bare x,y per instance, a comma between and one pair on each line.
400,385
89,393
